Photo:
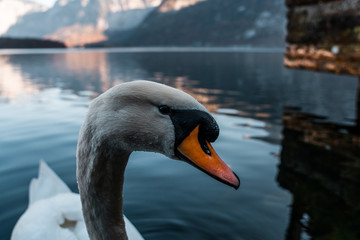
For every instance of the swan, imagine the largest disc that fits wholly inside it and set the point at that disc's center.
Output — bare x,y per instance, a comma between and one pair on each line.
133,116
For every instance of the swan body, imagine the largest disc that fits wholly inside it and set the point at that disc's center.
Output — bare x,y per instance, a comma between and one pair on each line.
54,212
134,116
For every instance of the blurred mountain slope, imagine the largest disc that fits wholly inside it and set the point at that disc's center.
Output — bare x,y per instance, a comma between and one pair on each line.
12,10
156,23
77,22
213,23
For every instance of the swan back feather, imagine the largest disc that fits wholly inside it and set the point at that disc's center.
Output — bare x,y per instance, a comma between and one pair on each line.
47,185
54,212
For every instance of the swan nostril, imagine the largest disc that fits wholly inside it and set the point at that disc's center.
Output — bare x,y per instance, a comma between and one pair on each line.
204,146
206,149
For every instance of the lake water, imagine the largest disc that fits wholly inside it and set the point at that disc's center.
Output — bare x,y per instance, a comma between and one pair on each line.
44,97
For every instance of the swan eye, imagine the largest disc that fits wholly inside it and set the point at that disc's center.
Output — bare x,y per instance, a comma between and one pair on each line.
164,109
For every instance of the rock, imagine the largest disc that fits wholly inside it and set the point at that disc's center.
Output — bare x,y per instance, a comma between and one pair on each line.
317,28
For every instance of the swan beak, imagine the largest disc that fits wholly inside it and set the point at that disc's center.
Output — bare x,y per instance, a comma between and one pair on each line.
204,157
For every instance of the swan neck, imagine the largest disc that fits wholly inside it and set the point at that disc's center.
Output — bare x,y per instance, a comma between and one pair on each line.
101,179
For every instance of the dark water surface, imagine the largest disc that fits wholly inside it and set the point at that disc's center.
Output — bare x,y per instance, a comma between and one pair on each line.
44,98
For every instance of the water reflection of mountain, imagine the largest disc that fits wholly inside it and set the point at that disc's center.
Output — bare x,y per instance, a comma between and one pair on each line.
74,71
320,166
254,83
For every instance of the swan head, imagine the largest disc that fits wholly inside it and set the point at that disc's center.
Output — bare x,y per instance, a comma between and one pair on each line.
148,116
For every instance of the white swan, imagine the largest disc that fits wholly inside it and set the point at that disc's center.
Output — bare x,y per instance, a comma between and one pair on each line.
135,116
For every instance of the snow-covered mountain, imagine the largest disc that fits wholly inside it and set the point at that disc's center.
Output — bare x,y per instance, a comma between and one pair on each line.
78,22
156,22
12,10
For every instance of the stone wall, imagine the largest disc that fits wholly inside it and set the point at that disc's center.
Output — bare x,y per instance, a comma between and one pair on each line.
324,35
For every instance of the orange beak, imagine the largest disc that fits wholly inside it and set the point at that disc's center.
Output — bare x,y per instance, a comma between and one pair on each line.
208,162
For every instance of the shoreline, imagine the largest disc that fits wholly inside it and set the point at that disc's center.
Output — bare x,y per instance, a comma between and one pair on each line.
142,50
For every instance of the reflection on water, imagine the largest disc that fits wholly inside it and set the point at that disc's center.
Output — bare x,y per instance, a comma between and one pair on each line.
13,83
43,99
320,166
255,84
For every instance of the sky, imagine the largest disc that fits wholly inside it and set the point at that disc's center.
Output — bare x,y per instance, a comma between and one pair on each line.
48,3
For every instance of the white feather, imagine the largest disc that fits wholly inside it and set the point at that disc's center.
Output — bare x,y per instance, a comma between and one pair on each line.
47,185
54,212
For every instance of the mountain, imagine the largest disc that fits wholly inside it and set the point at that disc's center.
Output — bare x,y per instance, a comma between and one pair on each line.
157,23
78,22
213,23
12,10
